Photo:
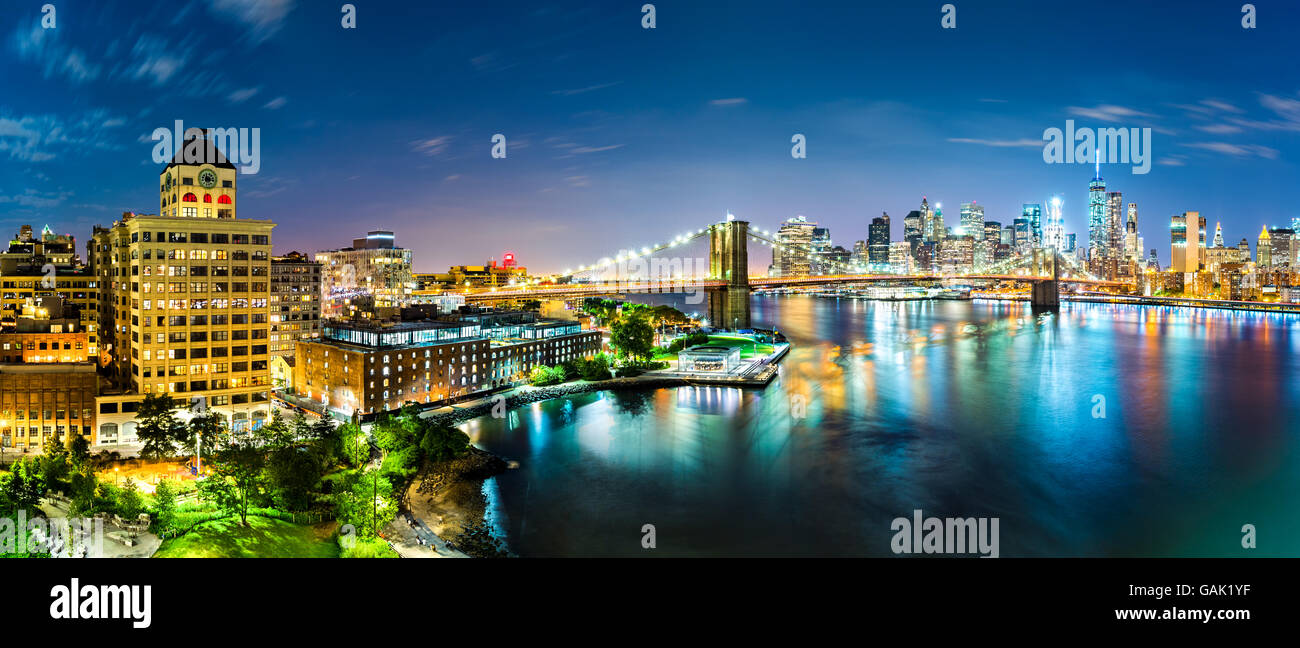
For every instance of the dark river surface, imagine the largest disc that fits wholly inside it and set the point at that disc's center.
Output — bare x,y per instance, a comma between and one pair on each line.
1097,431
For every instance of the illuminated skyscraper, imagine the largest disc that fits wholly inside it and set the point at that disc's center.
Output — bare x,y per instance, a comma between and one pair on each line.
1132,247
878,242
1097,237
1187,241
972,219
1053,233
1218,235
1263,249
1032,213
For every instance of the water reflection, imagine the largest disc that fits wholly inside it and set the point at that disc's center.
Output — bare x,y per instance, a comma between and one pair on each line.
1098,430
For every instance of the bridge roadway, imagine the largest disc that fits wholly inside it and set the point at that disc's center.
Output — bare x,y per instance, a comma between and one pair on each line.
690,285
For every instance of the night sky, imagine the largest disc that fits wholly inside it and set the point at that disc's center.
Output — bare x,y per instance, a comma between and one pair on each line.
620,136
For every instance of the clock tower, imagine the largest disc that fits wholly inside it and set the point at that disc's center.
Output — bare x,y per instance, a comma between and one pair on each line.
198,190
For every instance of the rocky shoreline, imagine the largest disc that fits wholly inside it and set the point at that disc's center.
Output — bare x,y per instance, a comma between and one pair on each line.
448,497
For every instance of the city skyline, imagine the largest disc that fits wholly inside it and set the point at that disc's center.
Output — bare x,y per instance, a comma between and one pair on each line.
593,141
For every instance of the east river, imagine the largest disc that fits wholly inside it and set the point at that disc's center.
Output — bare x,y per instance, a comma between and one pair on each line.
1100,430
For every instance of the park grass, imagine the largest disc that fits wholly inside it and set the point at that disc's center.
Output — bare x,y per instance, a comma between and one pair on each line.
263,538
747,347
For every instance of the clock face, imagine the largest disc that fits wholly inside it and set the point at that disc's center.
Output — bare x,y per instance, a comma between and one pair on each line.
208,178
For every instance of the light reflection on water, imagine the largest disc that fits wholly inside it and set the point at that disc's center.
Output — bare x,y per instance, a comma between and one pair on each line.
956,408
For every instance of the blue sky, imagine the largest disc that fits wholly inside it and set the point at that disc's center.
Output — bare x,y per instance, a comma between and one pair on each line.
620,136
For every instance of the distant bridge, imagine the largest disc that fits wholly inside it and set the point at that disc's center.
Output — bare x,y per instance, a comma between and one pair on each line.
728,283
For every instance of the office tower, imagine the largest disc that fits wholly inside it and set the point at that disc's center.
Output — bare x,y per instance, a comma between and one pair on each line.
993,233
1283,242
1053,232
791,256
1187,236
1024,237
1096,214
295,301
1132,248
187,298
1008,236
1244,246
1032,213
878,242
914,229
1263,249
900,258
372,274
861,255
1114,226
972,219
1070,243
932,222
1218,235
957,255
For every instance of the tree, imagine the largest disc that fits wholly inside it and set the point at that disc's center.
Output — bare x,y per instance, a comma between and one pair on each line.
79,452
21,488
53,465
632,337
369,504
129,502
159,431
596,368
542,375
82,493
293,472
237,478
164,504
443,442
207,430
355,448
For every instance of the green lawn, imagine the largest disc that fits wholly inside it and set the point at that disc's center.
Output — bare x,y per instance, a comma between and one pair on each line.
747,350
263,538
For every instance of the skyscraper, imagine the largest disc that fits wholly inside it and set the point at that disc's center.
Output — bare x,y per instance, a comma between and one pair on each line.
913,229
1053,233
790,256
1132,248
188,296
878,242
1283,240
1218,235
1024,237
1032,213
972,219
1097,236
1187,236
1263,249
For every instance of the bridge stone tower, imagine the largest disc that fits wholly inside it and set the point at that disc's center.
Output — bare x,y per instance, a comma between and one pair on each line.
1045,293
729,261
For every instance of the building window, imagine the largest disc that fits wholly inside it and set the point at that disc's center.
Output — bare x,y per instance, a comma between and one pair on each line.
189,197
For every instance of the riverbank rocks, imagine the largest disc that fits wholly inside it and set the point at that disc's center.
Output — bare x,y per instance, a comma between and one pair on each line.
476,464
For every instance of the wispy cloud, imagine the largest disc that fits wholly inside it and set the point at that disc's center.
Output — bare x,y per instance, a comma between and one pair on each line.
596,149
262,17
577,91
1236,150
433,146
1219,129
276,103
41,46
730,101
1016,143
1108,113
243,94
